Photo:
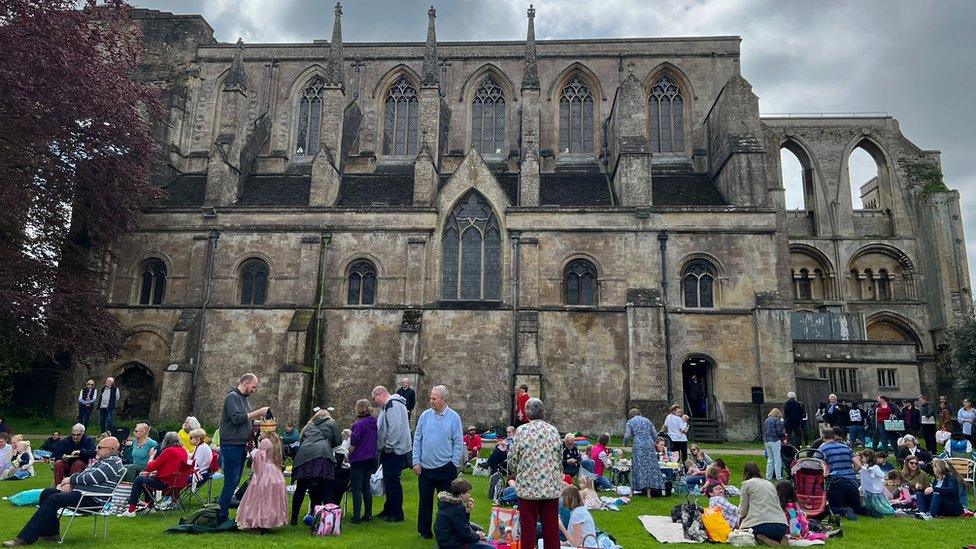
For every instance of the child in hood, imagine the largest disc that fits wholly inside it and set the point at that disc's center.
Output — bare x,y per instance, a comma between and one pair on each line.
453,528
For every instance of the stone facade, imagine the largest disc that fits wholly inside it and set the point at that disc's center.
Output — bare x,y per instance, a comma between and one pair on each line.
643,202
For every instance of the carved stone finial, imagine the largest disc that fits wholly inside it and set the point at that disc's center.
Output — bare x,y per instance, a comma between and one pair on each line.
237,77
530,73
334,73
428,75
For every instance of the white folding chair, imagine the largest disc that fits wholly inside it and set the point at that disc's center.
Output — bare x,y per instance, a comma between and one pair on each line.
93,504
966,469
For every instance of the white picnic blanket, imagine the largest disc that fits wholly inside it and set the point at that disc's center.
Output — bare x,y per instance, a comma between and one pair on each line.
663,529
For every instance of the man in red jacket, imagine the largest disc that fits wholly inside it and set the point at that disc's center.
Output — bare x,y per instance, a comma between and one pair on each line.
521,397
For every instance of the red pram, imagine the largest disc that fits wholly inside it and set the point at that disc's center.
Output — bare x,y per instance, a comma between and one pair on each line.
809,479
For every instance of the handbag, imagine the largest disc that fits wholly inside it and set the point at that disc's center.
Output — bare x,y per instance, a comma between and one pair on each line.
504,526
894,425
691,520
742,538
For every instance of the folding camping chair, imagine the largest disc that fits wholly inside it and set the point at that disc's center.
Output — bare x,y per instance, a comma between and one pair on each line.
966,469
196,486
93,504
175,485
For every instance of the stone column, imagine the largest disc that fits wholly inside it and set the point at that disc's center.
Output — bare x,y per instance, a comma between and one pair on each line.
632,166
646,365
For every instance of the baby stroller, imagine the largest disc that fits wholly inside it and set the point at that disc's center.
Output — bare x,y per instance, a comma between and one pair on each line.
809,472
788,454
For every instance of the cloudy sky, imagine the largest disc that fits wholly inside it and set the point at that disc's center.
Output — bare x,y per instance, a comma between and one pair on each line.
913,60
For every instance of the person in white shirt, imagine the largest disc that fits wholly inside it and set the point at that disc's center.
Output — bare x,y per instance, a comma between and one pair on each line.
202,455
677,426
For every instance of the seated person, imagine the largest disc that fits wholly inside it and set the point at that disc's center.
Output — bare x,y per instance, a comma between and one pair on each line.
22,463
883,462
917,481
897,491
943,434
944,494
712,478
958,446
911,448
46,449
6,454
202,456
73,453
571,455
716,498
799,524
843,496
723,471
189,424
138,447
453,526
160,472
472,443
289,440
599,461
100,477
346,440
663,452
499,456
581,531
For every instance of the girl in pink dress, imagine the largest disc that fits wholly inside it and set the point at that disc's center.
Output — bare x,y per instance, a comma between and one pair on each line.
264,505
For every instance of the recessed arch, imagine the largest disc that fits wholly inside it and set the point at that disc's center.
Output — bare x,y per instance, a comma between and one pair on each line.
867,190
687,258
578,97
699,283
490,115
555,87
698,398
390,76
471,83
886,249
139,396
580,278
892,327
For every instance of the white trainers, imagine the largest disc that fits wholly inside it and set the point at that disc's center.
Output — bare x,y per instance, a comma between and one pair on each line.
127,513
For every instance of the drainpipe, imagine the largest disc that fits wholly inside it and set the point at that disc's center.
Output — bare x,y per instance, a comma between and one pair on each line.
212,240
319,321
516,236
662,239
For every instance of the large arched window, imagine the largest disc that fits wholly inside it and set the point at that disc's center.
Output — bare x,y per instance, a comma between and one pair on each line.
697,282
472,251
254,282
310,118
576,118
362,283
579,277
665,114
488,118
401,122
152,285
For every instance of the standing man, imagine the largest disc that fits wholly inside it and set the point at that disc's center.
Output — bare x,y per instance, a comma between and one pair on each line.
393,444
834,413
437,450
100,478
86,402
108,397
927,413
408,394
235,430
795,420
536,460
521,397
696,397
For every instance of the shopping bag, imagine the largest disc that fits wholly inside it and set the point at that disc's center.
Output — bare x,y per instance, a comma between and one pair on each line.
504,526
716,526
376,485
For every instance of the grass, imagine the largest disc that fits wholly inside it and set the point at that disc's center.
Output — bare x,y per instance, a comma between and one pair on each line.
148,530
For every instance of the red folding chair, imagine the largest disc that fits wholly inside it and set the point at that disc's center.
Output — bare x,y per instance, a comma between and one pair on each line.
175,485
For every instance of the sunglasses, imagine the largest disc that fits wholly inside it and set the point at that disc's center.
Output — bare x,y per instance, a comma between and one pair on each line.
104,447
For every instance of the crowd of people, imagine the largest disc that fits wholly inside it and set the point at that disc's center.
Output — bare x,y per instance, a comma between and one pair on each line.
549,476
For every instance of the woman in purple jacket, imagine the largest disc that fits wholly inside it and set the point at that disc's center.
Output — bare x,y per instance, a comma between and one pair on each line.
362,460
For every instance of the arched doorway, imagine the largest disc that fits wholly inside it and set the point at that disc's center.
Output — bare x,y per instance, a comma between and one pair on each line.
696,380
137,384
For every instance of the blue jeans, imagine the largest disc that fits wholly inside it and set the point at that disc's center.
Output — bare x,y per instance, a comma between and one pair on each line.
882,438
84,413
774,460
600,482
106,420
232,460
857,434
922,502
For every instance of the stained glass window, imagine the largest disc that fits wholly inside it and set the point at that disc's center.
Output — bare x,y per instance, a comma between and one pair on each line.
401,119
665,113
254,282
576,118
310,118
472,251
488,118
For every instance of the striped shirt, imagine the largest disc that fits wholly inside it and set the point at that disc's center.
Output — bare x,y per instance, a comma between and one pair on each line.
840,459
100,477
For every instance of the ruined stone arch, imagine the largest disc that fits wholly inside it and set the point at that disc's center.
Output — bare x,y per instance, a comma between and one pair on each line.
812,270
893,327
809,177
687,94
881,272
887,174
555,94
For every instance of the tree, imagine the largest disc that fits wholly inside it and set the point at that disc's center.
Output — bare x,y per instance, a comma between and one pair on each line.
76,152
962,349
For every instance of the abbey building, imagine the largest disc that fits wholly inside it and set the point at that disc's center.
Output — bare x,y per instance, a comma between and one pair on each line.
603,220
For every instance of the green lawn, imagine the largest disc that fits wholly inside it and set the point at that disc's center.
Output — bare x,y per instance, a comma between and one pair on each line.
147,530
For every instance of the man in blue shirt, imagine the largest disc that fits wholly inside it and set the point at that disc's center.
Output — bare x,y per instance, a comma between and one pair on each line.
842,488
437,450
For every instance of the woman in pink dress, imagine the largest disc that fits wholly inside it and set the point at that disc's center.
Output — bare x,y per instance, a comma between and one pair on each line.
264,505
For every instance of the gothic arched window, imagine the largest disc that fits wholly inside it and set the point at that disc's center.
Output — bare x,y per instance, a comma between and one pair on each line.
310,118
697,282
401,122
579,277
152,284
254,282
576,118
488,118
665,113
362,283
472,251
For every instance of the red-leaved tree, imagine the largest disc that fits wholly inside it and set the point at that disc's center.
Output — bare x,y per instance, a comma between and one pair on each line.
75,157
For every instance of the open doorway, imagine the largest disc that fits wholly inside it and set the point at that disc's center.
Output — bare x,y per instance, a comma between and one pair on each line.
696,379
137,384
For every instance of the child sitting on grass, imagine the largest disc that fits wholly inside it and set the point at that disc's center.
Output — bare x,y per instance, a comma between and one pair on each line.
797,519
716,498
453,527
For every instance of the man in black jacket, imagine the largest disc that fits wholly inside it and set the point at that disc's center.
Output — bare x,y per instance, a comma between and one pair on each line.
408,394
795,419
73,453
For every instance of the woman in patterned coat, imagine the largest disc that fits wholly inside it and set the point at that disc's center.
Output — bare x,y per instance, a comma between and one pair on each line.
645,473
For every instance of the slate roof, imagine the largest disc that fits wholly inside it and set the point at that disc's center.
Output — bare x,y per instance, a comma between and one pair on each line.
574,188
186,190
685,190
275,190
376,189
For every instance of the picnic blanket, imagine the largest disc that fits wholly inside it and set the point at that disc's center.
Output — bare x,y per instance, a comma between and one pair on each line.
664,529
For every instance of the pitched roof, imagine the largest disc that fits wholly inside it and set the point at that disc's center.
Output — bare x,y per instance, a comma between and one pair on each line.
275,190
186,190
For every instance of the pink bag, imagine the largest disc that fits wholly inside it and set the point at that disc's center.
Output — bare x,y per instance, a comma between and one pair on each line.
328,519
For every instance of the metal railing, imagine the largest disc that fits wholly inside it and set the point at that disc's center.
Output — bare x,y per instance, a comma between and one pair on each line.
838,114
